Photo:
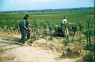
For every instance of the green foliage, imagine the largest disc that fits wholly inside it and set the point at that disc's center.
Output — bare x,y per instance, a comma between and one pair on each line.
92,48
88,57
65,43
10,20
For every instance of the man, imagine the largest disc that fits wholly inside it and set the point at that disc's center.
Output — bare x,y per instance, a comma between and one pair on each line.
23,29
64,21
64,26
27,24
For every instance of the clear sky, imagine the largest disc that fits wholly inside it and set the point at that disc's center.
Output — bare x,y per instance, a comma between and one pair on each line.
13,5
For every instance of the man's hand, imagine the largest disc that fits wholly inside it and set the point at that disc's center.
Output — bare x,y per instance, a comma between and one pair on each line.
25,28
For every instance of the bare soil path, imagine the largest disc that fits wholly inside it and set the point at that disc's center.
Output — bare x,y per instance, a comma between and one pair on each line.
11,51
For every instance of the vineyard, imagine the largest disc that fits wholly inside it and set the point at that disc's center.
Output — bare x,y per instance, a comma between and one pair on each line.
44,24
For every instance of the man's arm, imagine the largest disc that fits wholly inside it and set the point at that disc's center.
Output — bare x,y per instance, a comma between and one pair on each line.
25,25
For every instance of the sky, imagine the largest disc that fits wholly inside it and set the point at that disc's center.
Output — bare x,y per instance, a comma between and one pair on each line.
15,5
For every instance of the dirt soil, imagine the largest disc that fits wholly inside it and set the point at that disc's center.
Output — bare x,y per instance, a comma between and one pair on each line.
12,51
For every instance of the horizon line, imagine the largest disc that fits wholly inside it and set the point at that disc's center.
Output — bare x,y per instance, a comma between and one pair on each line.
46,9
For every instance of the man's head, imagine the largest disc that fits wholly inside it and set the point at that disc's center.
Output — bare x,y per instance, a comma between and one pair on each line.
26,17
64,17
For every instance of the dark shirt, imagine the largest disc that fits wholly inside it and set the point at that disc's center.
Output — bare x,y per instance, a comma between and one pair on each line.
27,23
22,23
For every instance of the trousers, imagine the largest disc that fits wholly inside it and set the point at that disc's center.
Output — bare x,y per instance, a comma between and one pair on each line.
23,35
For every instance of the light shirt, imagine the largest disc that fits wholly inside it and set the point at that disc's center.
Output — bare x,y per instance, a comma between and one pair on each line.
64,21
